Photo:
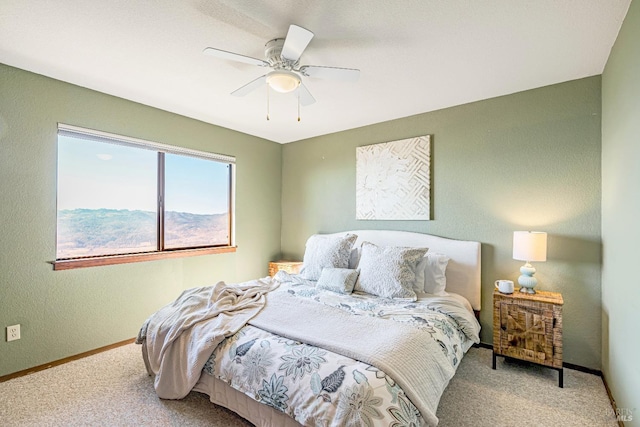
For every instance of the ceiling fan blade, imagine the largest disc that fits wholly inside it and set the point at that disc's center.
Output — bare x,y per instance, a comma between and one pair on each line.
250,87
331,73
296,42
223,54
305,96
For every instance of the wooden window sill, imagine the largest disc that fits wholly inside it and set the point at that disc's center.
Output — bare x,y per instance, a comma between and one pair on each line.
68,264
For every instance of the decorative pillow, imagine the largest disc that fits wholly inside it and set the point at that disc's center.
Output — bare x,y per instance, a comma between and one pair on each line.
435,280
323,251
340,280
388,272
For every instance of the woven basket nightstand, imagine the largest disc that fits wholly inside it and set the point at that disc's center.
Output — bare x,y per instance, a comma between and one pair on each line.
529,327
291,267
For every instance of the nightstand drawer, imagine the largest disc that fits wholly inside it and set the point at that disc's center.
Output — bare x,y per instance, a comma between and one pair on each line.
526,333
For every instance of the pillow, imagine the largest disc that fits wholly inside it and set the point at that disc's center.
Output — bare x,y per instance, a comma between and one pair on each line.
389,272
324,251
340,280
354,257
435,280
418,284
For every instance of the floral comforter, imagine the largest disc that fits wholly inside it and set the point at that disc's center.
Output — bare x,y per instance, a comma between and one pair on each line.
320,388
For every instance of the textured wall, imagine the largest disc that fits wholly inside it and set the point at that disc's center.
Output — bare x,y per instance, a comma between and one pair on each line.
621,215
530,160
63,313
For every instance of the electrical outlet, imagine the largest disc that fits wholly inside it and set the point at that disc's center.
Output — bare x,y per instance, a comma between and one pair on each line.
13,333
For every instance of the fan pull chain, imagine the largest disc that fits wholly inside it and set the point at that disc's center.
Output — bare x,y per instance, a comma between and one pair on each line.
268,117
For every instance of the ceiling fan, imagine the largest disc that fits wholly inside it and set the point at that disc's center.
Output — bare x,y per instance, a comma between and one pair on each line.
283,56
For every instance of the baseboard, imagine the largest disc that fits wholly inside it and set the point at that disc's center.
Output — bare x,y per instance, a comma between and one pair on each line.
484,345
564,364
65,360
612,400
582,369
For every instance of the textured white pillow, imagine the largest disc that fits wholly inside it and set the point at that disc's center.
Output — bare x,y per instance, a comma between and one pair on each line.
323,251
435,280
389,272
340,280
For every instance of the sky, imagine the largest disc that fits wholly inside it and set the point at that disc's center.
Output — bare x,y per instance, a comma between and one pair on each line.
94,175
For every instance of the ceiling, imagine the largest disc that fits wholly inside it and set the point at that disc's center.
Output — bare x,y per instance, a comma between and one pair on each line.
414,56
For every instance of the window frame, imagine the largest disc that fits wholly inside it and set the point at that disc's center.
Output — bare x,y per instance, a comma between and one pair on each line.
160,252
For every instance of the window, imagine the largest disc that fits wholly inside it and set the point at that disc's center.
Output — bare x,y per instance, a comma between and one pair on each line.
123,200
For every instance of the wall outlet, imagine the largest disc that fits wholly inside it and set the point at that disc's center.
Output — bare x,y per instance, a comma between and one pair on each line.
13,333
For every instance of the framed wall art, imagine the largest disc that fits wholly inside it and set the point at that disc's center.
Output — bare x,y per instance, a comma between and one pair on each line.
393,180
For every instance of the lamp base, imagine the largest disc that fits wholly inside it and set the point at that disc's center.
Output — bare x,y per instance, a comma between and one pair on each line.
526,280
529,291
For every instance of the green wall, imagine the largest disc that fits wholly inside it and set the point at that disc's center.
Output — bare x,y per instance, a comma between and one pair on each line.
620,216
530,160
63,313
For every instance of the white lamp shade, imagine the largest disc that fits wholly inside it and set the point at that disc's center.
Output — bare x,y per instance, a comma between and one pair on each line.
530,246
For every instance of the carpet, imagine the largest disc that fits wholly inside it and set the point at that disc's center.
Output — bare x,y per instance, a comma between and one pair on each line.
113,389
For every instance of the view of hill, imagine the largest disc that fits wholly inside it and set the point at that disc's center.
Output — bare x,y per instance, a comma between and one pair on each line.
87,232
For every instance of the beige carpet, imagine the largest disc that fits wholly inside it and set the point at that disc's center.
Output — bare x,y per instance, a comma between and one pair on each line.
113,389
522,394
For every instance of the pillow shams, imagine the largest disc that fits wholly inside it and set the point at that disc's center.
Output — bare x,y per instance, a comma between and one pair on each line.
389,272
418,284
323,251
340,280
435,280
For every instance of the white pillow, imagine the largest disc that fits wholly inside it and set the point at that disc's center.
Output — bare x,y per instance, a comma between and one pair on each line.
324,251
435,280
340,280
389,272
418,284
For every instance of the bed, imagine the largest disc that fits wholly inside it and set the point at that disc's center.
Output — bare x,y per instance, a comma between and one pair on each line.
320,353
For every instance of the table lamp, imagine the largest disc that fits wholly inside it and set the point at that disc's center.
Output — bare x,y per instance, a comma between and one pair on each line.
529,246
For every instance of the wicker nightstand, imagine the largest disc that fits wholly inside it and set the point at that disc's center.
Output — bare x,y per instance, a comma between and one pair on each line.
529,327
291,267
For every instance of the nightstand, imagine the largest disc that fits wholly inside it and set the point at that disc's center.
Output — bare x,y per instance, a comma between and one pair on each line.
291,267
529,327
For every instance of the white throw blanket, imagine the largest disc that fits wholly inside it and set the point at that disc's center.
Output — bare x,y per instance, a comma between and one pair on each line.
182,335
405,353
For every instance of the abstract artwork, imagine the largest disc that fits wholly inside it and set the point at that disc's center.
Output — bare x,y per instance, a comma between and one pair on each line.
393,180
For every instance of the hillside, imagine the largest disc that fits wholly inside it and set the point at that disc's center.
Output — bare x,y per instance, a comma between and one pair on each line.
87,232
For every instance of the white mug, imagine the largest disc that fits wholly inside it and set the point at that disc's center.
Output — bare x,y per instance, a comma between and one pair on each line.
505,286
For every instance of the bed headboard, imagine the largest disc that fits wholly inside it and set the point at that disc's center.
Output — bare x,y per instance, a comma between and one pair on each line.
463,270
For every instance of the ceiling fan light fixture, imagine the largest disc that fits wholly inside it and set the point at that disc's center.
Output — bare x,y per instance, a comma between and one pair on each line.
283,81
